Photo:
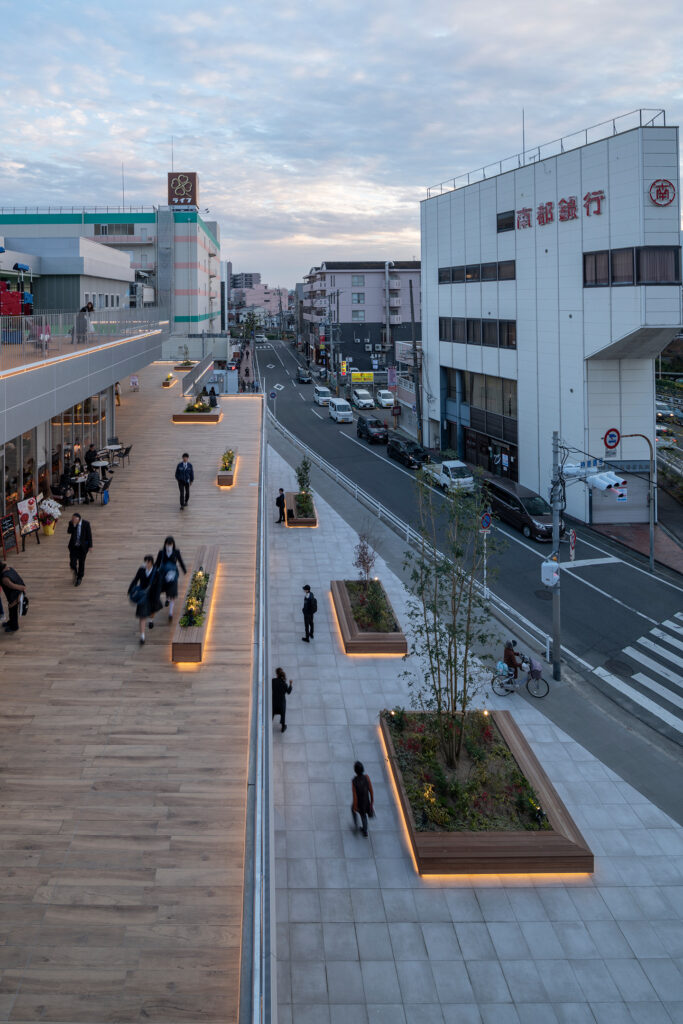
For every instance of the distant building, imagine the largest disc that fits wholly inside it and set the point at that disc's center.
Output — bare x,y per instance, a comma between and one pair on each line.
244,280
271,299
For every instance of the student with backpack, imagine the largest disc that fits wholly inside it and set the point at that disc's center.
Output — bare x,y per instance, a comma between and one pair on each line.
309,609
363,797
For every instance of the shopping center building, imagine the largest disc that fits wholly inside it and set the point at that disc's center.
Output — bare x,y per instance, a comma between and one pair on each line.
550,282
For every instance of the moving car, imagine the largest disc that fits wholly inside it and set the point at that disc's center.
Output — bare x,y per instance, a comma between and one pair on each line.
399,449
665,413
260,339
340,410
450,475
362,399
321,395
664,438
384,399
371,429
303,376
419,453
521,508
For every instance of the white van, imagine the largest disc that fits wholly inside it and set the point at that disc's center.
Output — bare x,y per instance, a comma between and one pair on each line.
321,395
340,410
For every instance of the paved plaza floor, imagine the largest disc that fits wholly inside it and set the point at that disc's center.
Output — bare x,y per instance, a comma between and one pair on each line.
362,939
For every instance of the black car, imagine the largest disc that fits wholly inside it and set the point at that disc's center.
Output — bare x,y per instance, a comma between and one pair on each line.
303,376
420,454
371,429
399,449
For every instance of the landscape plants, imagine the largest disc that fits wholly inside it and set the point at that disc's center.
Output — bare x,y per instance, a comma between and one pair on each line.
198,406
227,460
303,499
49,511
193,612
369,603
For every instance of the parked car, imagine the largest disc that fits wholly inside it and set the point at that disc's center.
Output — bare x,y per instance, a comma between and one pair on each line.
303,376
321,395
362,399
419,453
521,507
450,475
397,448
371,429
340,410
384,399
665,413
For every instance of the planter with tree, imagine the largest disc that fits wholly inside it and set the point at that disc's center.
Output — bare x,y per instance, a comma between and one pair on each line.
198,411
367,622
300,510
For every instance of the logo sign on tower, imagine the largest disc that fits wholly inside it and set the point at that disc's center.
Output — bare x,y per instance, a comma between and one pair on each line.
183,188
662,192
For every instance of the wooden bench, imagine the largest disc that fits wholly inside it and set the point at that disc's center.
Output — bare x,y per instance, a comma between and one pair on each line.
198,417
188,641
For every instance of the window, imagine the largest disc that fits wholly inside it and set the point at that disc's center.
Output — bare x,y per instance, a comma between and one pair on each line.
489,333
118,298
510,397
474,332
622,266
357,280
472,273
444,275
114,229
86,298
505,221
444,328
358,314
106,300
507,333
658,264
478,390
506,270
489,271
457,274
595,269
459,329
358,298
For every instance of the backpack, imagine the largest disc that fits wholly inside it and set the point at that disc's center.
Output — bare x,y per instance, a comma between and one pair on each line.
314,604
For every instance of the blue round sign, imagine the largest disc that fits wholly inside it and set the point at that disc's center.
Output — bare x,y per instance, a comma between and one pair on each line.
273,394
486,521
612,438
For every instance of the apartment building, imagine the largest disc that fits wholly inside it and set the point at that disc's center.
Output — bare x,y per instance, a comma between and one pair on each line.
261,296
249,280
550,283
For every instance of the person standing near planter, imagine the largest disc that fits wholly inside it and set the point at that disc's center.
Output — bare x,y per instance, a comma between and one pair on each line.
309,609
80,543
184,474
12,587
168,560
280,690
144,593
280,502
363,797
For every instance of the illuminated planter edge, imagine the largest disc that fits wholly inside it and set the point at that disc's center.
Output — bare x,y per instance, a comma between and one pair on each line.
226,477
296,521
189,641
197,417
357,642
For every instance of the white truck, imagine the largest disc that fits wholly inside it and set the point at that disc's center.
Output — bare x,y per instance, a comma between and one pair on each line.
450,475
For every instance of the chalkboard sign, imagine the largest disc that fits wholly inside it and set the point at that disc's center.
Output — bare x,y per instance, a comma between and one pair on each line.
8,533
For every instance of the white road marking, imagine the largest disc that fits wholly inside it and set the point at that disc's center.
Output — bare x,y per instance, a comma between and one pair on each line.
616,600
654,666
279,387
270,366
673,698
316,414
640,698
367,448
665,636
662,652
301,397
589,561
630,565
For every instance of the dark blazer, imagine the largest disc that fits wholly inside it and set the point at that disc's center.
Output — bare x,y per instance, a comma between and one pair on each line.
86,535
90,457
184,472
151,584
308,605
176,558
280,501
280,690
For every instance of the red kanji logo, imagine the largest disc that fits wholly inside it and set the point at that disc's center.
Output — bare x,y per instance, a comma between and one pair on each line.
593,197
524,218
662,192
568,209
544,213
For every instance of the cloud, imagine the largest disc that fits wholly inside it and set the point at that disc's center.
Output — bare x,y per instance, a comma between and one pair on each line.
314,127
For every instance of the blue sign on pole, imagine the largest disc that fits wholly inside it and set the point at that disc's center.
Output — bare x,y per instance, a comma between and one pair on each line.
486,521
273,394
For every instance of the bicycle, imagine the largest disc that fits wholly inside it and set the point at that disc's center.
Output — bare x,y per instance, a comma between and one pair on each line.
504,682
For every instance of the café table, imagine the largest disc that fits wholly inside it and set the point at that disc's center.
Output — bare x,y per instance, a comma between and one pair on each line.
113,449
101,464
79,483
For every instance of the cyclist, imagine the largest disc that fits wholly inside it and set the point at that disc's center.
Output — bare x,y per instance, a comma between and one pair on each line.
512,659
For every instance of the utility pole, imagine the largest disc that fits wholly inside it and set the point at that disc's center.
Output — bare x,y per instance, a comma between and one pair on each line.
416,372
556,503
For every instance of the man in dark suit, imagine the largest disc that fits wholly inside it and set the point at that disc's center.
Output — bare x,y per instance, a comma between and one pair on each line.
280,502
309,609
184,474
80,542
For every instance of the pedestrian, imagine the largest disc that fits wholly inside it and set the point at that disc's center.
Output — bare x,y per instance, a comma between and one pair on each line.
184,474
117,392
213,398
144,593
168,560
511,659
13,587
80,543
309,609
81,325
280,502
280,691
363,797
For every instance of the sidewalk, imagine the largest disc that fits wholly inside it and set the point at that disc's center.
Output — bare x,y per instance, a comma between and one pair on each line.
362,938
637,537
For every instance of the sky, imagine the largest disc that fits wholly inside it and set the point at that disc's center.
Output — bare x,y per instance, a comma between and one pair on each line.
315,126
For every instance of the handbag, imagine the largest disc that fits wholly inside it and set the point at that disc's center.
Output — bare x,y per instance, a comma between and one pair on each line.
24,604
138,595
105,497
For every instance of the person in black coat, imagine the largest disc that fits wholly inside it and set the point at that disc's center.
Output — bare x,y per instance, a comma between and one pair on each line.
184,474
280,502
309,609
144,593
280,691
213,398
168,560
13,587
92,485
80,543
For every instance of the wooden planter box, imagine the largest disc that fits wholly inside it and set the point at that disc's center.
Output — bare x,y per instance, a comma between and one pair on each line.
226,477
183,369
356,641
562,848
198,417
188,641
169,383
291,518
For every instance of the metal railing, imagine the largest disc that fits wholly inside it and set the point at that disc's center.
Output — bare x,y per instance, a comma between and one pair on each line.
77,209
497,606
646,116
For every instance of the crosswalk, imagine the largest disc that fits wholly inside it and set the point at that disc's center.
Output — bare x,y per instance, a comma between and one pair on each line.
656,680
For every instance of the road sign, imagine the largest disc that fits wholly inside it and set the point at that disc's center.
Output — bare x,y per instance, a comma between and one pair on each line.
396,410
612,438
414,407
486,522
273,394
362,377
343,368
572,545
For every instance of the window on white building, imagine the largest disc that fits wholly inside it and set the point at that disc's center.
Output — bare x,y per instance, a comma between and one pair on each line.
357,280
622,266
489,271
505,221
658,264
358,298
596,269
358,314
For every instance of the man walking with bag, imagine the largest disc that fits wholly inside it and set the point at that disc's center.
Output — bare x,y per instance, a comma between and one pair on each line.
309,609
80,542
184,474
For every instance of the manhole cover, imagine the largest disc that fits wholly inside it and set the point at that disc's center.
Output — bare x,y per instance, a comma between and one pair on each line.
618,668
543,595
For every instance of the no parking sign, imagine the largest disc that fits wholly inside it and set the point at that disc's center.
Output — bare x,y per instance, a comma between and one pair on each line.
612,438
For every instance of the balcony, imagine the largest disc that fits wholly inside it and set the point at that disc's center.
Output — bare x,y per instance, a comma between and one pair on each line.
395,319
404,352
123,239
395,282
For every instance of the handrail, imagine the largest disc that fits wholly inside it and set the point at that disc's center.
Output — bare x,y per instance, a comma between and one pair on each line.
413,538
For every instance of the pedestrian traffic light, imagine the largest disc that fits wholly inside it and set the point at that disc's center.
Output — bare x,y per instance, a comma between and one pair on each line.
550,572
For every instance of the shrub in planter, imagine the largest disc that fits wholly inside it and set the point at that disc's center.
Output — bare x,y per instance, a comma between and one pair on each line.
198,406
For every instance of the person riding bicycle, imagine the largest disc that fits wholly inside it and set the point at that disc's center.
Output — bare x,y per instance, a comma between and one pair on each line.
511,658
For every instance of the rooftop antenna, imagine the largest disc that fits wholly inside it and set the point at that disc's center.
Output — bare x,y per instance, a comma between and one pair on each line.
523,140
172,153
123,188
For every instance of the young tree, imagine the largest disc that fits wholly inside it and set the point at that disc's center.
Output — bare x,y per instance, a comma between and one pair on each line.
447,614
365,559
303,475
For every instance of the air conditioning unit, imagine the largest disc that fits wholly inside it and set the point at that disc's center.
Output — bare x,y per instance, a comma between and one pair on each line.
368,347
378,346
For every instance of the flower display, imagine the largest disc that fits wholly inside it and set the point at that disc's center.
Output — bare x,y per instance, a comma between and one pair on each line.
49,511
193,613
227,460
198,406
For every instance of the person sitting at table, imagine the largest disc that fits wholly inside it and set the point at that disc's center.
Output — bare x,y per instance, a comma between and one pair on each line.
65,489
168,560
90,456
77,467
92,485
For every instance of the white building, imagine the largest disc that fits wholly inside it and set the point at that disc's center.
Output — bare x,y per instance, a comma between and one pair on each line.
547,291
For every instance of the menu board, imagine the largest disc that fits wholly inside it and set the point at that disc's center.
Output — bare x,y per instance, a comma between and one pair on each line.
8,533
28,516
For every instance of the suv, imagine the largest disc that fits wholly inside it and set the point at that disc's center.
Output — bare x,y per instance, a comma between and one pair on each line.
399,449
371,429
303,376
362,399
521,507
419,453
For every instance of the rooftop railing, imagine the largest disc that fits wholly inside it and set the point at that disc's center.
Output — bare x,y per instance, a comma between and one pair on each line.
645,117
76,209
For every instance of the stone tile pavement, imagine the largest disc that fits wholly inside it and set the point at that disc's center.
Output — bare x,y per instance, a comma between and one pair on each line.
361,938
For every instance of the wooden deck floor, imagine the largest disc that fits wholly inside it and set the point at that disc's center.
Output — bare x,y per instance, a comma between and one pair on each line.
122,776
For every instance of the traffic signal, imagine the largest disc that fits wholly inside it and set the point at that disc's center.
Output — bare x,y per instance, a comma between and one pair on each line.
605,481
550,572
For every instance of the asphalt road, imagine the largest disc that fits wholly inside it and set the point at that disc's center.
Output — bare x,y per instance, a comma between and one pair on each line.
623,626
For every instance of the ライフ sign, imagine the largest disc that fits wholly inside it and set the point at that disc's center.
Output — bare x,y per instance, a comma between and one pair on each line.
183,188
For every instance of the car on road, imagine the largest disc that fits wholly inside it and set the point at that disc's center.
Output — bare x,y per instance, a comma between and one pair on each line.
665,413
340,410
384,399
521,508
664,437
362,399
398,448
372,429
321,395
260,339
419,453
451,475
303,376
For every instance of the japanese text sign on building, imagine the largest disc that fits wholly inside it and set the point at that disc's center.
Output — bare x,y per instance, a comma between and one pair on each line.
183,189
567,209
662,192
